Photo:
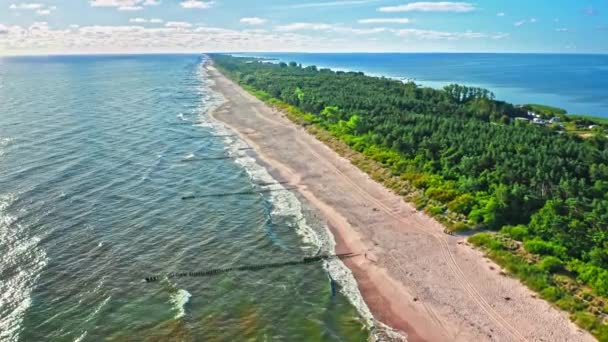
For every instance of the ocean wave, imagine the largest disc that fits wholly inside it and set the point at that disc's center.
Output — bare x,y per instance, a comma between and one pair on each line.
5,142
179,299
23,254
98,308
189,156
81,337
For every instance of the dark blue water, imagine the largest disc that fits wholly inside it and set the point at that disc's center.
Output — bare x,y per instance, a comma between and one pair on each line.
96,154
577,83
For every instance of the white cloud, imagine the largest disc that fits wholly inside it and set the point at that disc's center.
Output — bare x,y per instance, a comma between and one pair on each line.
253,21
333,3
74,26
41,39
144,20
500,14
500,35
303,26
130,8
113,3
443,6
178,24
41,9
197,4
46,11
3,29
562,29
133,38
327,28
441,35
525,21
124,5
385,21
26,6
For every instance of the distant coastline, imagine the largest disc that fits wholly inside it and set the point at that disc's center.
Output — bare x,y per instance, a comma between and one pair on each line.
575,82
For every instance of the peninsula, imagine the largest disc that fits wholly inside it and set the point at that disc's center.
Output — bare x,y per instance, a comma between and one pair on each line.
417,277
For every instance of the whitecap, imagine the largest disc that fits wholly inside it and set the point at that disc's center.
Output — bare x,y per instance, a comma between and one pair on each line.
98,308
4,142
81,337
179,299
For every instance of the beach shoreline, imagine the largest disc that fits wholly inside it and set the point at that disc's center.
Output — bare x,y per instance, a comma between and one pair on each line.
414,278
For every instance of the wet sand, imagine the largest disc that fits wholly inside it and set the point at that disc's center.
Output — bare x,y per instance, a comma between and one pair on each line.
414,278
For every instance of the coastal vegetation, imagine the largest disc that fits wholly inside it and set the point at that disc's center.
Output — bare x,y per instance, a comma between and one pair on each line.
537,194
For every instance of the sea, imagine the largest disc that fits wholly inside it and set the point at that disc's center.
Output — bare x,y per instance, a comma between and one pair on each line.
575,82
111,171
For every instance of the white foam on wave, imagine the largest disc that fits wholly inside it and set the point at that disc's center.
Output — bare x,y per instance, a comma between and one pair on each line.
286,204
22,254
4,142
179,299
181,117
81,337
98,308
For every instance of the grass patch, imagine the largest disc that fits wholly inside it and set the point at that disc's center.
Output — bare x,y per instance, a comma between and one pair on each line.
546,110
598,120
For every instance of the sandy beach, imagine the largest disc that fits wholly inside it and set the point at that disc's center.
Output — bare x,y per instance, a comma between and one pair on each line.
429,285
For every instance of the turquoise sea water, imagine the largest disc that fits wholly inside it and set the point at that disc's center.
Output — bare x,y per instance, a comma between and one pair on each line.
96,154
577,83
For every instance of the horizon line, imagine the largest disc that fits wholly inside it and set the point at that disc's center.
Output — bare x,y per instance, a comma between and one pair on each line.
60,54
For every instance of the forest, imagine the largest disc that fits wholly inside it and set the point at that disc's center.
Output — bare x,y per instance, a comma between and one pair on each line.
538,195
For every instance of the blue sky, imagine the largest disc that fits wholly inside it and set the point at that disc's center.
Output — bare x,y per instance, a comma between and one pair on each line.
115,26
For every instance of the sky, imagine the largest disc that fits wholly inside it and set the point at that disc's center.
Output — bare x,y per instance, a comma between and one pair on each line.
160,26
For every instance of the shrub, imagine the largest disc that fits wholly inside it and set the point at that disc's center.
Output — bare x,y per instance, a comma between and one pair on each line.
570,304
486,240
594,276
518,232
462,204
585,320
442,193
541,247
420,201
551,293
435,210
551,264
460,226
